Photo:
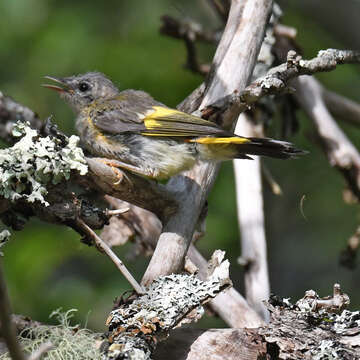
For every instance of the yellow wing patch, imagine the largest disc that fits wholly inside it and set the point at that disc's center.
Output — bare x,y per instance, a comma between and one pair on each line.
162,121
161,111
221,140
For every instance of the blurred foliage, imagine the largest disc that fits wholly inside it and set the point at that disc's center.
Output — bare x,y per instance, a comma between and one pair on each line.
47,267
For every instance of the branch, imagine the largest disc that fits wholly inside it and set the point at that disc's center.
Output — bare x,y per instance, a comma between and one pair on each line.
7,328
341,153
100,177
342,107
194,185
349,254
137,325
250,211
230,304
102,246
190,32
144,229
277,79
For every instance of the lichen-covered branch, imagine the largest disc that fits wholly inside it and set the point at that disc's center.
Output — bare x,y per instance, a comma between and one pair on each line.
137,325
276,81
143,228
100,177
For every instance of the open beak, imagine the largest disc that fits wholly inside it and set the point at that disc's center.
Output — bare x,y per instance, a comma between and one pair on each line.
62,88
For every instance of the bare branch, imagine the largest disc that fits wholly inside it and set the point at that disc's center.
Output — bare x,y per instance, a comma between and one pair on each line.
341,153
7,328
190,32
131,188
102,246
342,107
240,33
349,254
215,344
250,211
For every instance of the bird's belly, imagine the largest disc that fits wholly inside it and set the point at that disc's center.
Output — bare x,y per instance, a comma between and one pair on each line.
164,157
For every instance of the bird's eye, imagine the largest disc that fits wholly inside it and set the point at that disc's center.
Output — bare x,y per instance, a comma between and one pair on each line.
83,86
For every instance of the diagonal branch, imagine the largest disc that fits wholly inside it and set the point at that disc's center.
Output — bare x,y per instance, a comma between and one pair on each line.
102,246
195,185
342,107
341,153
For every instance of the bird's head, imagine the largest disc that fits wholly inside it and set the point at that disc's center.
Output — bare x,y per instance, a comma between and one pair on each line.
81,90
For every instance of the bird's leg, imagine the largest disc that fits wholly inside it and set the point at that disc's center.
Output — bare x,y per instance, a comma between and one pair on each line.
116,164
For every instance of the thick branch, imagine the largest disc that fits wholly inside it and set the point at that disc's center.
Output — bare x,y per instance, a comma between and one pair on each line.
250,211
144,228
247,20
135,189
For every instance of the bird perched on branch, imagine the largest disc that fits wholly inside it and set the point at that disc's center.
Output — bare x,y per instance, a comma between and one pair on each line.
148,138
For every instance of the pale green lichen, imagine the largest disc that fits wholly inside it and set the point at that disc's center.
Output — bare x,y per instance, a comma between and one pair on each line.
166,304
33,162
69,342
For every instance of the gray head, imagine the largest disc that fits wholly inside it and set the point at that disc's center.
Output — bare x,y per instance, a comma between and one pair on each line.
81,90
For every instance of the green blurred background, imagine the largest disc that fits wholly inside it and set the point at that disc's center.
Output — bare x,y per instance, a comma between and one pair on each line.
47,267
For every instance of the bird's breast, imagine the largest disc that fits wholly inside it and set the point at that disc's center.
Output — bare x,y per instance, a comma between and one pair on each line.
95,141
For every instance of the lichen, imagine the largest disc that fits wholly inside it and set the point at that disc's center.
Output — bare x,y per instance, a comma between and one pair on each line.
327,350
168,301
70,342
34,162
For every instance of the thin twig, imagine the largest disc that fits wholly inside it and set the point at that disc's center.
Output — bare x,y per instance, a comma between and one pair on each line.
268,177
117,211
118,263
7,327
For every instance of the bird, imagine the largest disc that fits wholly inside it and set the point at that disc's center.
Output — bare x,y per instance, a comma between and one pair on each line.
135,132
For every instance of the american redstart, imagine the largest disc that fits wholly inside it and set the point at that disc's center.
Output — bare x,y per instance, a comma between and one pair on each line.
148,138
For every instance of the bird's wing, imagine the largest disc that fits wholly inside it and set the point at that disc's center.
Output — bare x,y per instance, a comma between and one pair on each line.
136,111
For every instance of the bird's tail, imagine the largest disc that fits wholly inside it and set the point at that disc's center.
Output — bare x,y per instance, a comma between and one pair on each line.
240,147
270,147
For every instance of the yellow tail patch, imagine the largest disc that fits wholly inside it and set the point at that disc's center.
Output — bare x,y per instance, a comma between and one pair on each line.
221,140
